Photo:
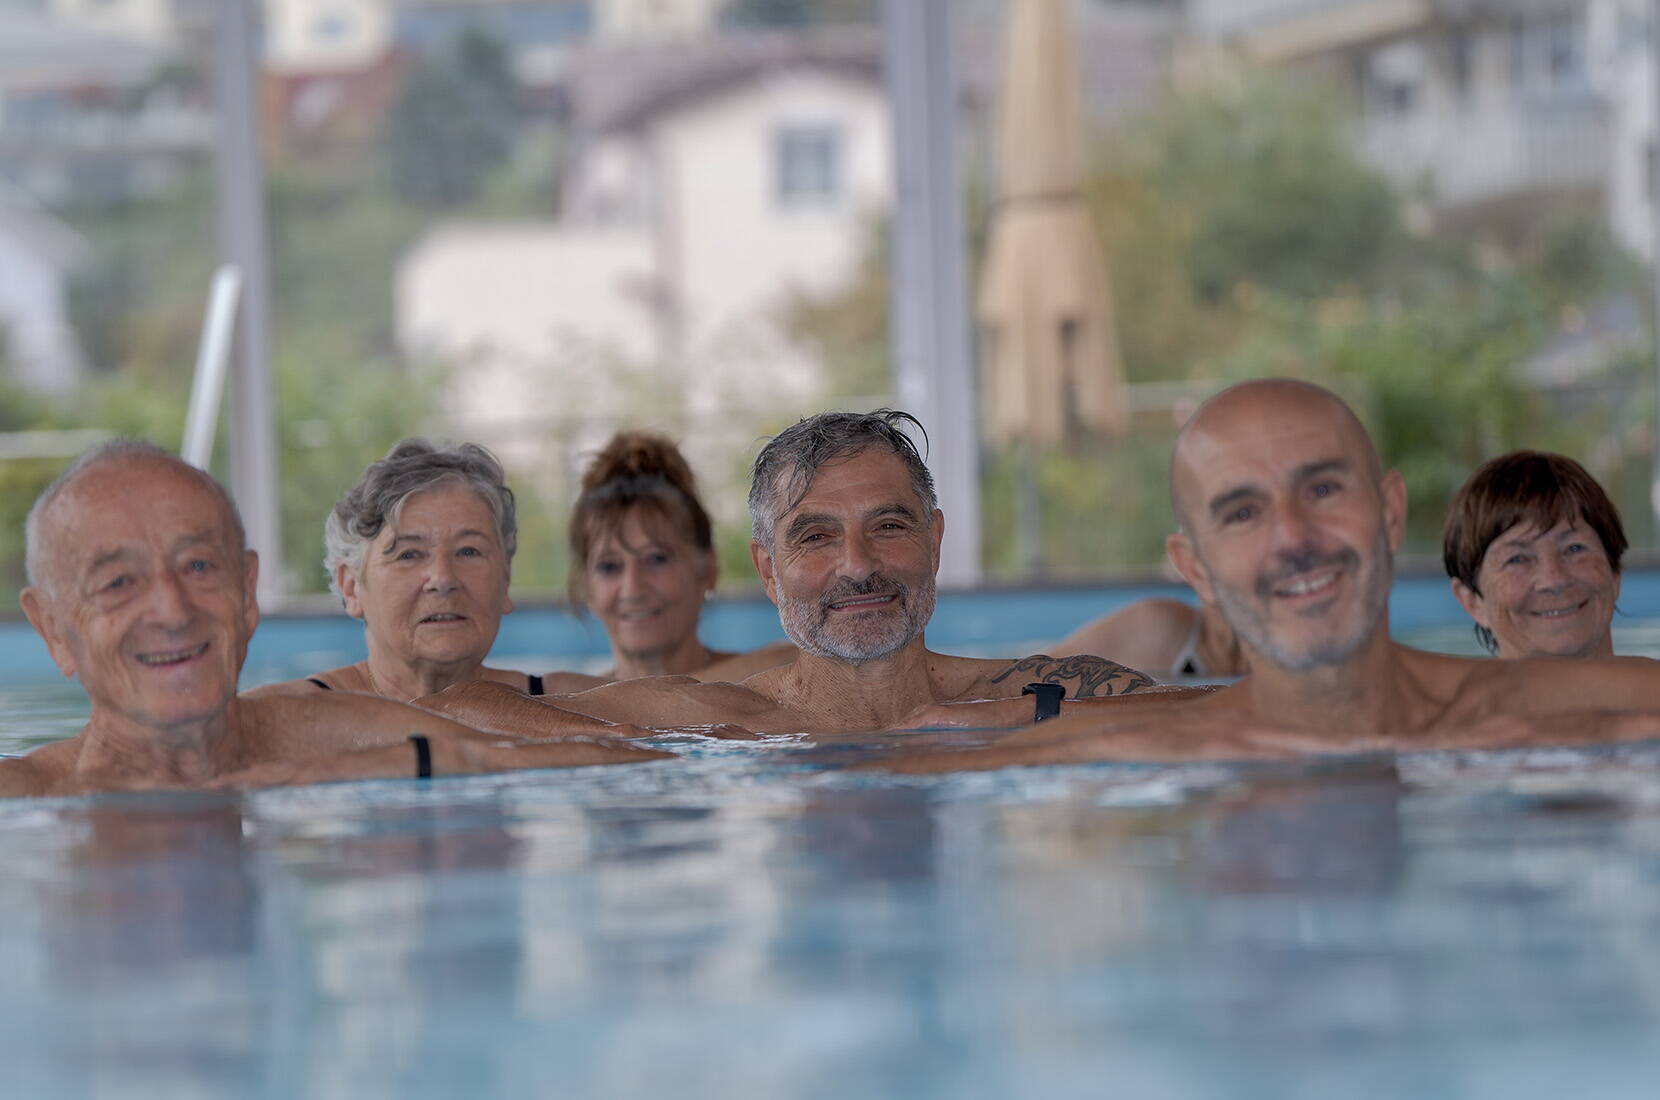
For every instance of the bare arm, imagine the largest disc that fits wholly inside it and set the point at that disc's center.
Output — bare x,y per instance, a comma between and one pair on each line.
21,779
1015,711
657,702
451,754
1083,677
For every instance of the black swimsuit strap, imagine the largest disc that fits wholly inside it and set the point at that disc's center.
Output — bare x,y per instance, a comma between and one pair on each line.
319,683
535,684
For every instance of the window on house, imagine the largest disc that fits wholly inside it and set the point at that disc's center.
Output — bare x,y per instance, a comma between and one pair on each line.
1548,57
332,26
808,160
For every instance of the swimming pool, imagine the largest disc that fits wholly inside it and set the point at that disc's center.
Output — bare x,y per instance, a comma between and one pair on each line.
751,921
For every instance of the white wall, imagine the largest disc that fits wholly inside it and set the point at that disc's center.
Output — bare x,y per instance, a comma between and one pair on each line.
312,36
624,19
1630,206
149,21
40,347
541,312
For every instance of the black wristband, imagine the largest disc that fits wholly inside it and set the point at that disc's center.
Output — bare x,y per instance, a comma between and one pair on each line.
1048,702
423,755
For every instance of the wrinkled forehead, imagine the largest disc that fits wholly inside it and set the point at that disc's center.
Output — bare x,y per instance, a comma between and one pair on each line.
135,503
448,504
1264,443
869,477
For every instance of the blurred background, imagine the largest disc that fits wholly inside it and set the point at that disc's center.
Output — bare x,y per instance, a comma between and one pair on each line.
532,222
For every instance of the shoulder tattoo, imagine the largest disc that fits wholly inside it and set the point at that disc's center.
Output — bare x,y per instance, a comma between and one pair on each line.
1084,677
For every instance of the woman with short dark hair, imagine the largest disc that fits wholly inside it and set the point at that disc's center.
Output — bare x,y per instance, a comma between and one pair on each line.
1533,546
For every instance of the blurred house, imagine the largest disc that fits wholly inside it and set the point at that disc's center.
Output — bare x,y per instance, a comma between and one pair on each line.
37,256
707,181
1483,108
89,116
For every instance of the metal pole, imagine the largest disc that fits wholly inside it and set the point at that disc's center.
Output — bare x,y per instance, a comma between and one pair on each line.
213,363
1654,261
244,240
934,374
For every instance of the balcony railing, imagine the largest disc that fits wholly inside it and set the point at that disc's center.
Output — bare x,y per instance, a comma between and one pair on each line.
1476,156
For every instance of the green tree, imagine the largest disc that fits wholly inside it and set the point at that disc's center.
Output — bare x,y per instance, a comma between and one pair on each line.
456,120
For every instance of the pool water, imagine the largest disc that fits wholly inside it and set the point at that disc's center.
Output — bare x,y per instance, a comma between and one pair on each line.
753,920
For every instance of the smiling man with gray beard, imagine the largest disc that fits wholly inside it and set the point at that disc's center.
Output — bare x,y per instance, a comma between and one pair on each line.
1289,524
847,536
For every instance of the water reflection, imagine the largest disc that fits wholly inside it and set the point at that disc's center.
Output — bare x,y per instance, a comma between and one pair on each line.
152,909
750,929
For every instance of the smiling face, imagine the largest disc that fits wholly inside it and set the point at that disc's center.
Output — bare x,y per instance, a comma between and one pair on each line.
646,581
433,585
1288,527
852,563
1545,593
148,596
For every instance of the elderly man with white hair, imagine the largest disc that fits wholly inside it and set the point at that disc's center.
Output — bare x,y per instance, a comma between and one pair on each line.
142,586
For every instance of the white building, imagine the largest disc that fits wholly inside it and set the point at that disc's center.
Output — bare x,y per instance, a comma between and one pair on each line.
1480,106
711,181
37,256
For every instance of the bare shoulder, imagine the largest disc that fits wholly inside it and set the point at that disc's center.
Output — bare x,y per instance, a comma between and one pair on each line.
1555,685
23,778
45,771
1083,676
741,666
1155,625
306,685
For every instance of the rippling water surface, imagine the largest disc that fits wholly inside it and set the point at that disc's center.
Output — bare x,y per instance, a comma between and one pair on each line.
753,921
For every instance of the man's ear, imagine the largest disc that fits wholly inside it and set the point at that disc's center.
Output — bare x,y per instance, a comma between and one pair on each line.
346,580
939,536
1472,603
37,608
1393,490
250,590
711,571
1186,560
763,566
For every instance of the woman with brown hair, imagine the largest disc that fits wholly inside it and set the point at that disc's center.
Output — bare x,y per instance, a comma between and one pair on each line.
643,562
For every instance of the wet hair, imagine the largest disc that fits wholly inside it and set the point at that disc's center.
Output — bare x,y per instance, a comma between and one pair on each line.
786,466
635,470
413,466
120,451
1532,487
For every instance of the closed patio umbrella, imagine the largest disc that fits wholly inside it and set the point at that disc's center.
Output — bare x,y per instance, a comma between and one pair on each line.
1050,343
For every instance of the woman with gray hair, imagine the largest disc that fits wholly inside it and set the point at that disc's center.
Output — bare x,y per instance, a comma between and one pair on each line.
421,550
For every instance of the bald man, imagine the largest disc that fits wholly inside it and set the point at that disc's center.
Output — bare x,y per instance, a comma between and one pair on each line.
1288,527
141,586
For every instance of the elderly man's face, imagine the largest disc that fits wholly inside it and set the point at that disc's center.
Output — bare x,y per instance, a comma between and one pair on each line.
433,588
852,565
1546,593
148,600
1290,532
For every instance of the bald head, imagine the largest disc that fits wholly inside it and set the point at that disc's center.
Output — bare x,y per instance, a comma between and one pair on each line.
124,455
1252,413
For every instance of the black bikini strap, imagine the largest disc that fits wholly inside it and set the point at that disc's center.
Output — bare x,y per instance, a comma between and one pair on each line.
535,684
319,683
